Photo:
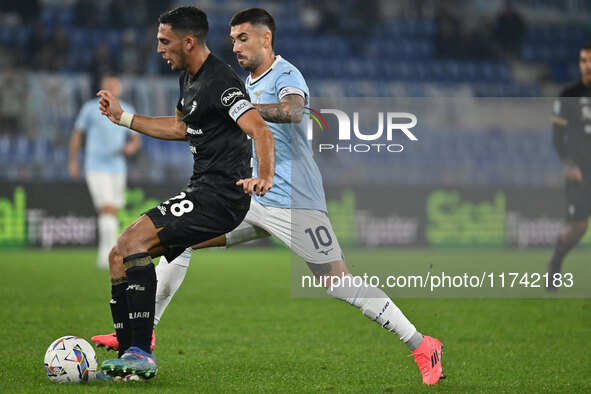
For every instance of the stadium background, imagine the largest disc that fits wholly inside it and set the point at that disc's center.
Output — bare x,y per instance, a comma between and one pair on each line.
52,53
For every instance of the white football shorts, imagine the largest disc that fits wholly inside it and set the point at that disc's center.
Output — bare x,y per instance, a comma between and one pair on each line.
106,188
308,233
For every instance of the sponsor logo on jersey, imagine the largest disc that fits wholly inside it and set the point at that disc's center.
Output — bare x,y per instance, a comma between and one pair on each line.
230,95
193,107
162,210
136,288
194,132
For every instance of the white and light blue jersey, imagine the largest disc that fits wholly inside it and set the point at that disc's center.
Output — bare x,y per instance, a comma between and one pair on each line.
297,182
104,139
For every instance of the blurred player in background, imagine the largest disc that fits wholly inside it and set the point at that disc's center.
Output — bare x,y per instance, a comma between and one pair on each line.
106,146
297,199
571,122
214,115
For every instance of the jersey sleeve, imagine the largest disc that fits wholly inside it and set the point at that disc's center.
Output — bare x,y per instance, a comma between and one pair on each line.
229,97
179,104
83,119
559,116
289,81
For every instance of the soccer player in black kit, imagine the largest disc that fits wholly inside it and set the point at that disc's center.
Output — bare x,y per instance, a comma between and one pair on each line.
572,140
214,115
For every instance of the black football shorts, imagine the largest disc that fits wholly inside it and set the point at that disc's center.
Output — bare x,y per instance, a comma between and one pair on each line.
578,200
192,217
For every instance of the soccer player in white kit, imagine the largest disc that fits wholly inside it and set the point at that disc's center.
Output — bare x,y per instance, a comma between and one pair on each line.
106,146
294,210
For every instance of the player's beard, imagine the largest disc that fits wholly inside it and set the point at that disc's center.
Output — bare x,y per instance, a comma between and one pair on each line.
246,65
249,65
182,61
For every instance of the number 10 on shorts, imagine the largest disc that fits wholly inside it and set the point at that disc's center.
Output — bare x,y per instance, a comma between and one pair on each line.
319,236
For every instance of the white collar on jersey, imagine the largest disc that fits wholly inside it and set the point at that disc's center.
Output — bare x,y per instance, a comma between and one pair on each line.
277,59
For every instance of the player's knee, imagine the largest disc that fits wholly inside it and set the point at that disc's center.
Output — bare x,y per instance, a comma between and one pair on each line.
116,262
124,238
114,255
129,243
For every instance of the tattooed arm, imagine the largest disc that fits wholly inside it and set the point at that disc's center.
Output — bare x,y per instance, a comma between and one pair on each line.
289,110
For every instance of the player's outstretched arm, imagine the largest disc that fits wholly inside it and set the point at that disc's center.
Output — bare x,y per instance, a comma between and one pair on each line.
164,128
289,110
75,144
256,128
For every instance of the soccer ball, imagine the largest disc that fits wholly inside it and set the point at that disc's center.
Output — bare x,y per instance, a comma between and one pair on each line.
70,359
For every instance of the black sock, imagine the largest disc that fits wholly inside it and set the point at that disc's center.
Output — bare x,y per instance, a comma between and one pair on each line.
141,298
561,249
120,313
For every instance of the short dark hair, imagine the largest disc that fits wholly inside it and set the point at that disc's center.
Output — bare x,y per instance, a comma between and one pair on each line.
586,46
256,16
188,19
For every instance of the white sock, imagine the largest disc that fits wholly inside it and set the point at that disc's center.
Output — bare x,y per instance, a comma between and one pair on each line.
169,276
375,304
108,226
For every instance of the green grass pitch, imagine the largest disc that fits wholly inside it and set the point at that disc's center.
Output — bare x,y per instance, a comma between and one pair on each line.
234,326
